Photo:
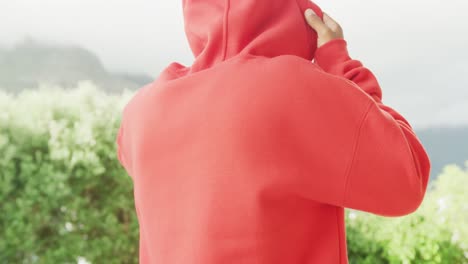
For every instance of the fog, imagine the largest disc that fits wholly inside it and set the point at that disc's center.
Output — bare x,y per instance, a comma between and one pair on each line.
417,49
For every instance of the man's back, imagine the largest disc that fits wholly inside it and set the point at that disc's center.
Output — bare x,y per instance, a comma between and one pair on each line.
253,159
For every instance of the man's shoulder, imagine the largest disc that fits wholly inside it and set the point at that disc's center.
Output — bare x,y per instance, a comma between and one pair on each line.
286,71
310,78
292,69
295,79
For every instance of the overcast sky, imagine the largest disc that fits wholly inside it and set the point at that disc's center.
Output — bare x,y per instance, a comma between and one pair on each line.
417,49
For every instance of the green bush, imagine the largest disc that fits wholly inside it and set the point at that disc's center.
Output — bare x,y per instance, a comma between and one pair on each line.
62,192
65,197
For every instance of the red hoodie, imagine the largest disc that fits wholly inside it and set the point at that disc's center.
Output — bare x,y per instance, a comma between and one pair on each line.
251,154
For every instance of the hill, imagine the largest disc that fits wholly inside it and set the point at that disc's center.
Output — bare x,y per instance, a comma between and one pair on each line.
445,145
30,63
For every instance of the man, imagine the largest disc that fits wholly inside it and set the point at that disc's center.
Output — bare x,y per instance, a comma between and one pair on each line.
251,154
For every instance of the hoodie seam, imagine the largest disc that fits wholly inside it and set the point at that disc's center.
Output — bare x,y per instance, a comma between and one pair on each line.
354,152
225,29
309,37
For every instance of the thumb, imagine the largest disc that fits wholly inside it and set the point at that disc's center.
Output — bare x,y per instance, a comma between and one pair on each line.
315,22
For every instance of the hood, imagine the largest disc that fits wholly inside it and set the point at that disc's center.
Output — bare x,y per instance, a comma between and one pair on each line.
217,30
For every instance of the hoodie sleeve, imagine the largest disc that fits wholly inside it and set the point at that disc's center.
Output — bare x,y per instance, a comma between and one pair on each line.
389,169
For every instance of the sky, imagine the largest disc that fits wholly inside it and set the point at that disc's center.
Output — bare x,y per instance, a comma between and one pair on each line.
417,49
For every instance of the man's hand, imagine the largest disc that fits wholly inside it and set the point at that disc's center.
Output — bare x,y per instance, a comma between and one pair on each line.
327,29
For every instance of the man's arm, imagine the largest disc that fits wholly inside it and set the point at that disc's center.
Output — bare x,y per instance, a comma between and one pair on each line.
333,57
390,168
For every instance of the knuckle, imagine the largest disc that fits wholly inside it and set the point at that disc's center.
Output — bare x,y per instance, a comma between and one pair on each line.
327,32
336,26
339,28
310,20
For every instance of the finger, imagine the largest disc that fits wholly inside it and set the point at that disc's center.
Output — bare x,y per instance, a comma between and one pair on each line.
330,22
315,22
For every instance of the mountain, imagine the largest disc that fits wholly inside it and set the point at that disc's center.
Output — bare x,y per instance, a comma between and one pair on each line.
31,62
445,145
